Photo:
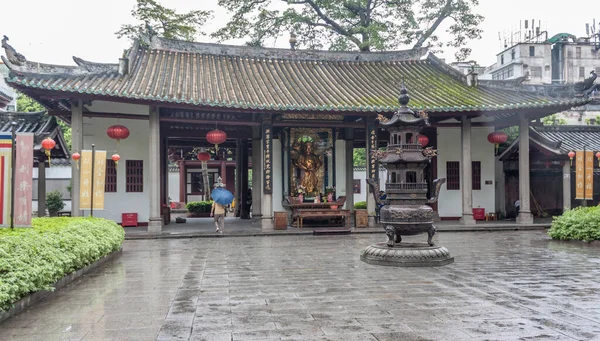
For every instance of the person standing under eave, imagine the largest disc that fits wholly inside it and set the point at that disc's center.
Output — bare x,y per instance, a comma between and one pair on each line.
221,199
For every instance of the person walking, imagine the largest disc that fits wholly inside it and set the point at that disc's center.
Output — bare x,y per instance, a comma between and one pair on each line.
218,211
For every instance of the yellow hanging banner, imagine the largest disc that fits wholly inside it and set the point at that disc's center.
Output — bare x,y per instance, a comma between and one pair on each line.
589,175
98,178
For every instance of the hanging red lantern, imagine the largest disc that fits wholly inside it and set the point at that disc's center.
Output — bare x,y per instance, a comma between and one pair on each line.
598,157
48,144
76,157
203,156
497,138
117,132
216,137
423,140
571,156
116,158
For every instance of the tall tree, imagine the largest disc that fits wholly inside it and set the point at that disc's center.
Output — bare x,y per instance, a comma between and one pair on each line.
165,22
365,25
27,104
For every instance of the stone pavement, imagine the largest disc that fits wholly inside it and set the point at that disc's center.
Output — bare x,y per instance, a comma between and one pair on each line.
204,227
502,286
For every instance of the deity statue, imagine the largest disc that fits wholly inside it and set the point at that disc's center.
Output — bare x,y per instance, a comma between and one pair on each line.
304,158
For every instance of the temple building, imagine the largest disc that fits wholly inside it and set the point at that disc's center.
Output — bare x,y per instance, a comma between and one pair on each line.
291,116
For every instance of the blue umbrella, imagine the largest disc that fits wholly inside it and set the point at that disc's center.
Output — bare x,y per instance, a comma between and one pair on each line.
222,196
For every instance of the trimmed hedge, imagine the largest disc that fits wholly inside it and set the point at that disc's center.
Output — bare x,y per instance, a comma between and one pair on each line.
361,205
199,206
33,259
581,223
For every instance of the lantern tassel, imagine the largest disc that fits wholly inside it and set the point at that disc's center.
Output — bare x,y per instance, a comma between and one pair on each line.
48,155
77,163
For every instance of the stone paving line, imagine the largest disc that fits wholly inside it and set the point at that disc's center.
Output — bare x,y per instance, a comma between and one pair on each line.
502,286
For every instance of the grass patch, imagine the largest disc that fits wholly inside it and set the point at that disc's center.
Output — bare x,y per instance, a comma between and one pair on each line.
581,223
32,259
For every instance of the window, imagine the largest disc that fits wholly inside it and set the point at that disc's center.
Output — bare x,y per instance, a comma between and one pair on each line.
536,72
502,59
476,174
581,72
531,51
409,138
570,54
110,184
512,55
196,183
453,175
393,177
134,174
411,177
578,52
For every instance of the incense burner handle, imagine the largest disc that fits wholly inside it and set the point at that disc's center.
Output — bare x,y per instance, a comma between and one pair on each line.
437,184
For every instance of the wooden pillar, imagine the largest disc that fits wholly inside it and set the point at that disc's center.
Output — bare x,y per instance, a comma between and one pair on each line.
243,170
77,146
267,175
566,186
349,169
223,172
525,216
42,187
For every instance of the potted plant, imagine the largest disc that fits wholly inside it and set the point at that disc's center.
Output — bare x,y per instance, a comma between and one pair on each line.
199,208
54,203
361,216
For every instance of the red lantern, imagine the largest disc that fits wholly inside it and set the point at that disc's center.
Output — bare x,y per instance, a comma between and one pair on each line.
204,156
116,158
598,157
216,137
117,132
497,138
571,156
423,140
48,144
76,157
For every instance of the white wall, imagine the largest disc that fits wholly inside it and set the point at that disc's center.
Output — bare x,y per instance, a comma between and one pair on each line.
174,186
362,175
340,169
449,149
133,148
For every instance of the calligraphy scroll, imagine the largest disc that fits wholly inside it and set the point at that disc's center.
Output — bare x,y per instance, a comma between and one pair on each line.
267,159
372,163
579,176
5,167
24,180
86,193
589,175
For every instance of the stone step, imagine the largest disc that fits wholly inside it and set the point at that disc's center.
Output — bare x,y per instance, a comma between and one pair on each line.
322,232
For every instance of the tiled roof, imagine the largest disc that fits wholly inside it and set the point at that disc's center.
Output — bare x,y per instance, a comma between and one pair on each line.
41,125
234,77
567,138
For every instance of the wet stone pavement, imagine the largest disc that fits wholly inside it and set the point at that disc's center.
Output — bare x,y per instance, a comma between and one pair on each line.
502,286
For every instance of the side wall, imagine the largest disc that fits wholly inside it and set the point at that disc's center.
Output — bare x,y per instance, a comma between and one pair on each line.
449,149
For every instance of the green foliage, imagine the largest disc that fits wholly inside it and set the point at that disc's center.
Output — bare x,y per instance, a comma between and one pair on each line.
581,223
364,25
32,259
359,157
27,104
54,202
553,120
361,205
164,21
199,206
588,121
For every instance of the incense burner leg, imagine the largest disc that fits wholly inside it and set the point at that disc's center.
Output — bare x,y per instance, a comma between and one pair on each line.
391,234
430,233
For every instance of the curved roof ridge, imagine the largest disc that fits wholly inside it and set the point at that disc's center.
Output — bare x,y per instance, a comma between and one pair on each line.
157,43
83,68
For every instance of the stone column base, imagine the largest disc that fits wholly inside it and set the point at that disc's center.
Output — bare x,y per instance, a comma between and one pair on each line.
467,219
155,225
266,224
524,218
371,221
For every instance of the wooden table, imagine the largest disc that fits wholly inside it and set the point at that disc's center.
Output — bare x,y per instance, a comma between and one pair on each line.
322,213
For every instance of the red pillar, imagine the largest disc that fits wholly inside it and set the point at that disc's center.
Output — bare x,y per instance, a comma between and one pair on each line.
182,181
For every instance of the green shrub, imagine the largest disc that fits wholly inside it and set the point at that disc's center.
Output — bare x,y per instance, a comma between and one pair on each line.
361,205
199,206
32,259
54,202
582,223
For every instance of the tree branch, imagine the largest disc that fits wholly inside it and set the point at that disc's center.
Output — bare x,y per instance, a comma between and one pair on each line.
443,15
336,27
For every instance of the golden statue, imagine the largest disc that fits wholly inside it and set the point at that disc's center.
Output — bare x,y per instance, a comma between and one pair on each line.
304,158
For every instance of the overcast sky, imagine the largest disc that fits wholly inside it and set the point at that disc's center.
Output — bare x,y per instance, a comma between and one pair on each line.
52,31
